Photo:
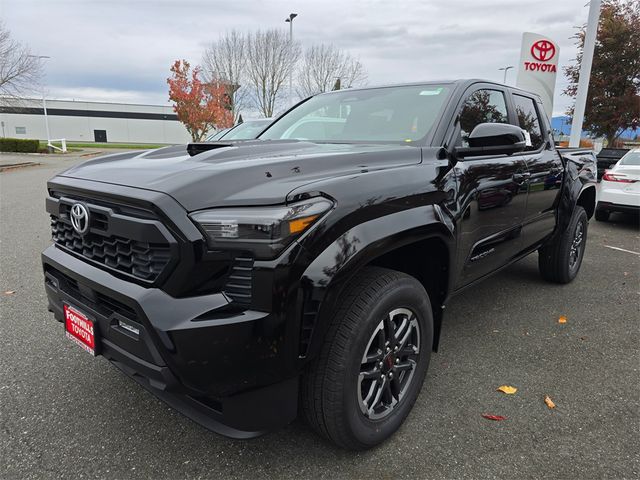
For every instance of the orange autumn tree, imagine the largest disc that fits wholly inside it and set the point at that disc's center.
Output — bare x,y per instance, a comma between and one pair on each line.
200,106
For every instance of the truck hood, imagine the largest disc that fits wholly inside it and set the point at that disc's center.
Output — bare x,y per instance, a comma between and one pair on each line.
243,173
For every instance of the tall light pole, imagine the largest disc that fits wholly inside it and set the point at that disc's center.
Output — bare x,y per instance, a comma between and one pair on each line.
44,101
585,73
506,69
289,20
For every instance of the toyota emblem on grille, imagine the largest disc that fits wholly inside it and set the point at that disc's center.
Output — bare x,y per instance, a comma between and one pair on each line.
79,218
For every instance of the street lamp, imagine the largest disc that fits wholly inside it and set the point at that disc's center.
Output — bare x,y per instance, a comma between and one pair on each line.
44,102
506,69
289,20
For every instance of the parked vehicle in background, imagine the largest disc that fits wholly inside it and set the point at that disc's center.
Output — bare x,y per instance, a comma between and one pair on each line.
620,187
307,272
608,157
311,126
215,136
247,130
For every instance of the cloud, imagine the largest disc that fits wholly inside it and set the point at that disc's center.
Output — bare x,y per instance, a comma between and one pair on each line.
123,48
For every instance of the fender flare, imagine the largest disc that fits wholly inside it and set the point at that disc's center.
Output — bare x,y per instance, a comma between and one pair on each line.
581,180
332,269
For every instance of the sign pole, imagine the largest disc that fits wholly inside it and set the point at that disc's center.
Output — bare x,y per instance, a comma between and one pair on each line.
46,118
585,73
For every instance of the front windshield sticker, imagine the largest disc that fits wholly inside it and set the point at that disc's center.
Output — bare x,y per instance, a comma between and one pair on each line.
435,91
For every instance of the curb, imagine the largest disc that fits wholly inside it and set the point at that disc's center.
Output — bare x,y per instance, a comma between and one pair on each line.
15,166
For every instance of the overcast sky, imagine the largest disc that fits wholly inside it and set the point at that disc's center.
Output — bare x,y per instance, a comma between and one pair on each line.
121,50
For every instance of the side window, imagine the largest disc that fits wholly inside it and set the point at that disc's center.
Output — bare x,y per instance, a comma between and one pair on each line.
529,121
482,106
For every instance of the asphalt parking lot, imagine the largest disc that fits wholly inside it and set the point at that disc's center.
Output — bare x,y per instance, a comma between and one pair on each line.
64,414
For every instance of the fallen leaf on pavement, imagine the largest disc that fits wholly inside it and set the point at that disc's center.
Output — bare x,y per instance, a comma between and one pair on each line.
9,292
562,319
496,418
549,402
509,390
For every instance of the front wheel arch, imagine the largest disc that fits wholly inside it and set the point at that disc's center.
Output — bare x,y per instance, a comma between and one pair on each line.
429,262
432,269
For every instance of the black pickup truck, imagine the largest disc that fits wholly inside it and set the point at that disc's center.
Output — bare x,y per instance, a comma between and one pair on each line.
307,272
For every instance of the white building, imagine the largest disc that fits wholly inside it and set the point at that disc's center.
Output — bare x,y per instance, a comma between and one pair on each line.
92,122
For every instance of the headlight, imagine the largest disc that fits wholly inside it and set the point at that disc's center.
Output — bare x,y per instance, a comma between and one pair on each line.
266,231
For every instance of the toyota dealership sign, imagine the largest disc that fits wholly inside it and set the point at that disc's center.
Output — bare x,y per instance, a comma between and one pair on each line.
538,67
543,51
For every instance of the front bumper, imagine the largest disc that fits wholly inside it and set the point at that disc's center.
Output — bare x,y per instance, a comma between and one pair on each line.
218,365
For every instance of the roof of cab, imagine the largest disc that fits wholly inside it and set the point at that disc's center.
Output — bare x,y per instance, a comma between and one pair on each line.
463,83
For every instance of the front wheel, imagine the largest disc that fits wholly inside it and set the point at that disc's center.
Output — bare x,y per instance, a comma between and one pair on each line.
560,260
376,353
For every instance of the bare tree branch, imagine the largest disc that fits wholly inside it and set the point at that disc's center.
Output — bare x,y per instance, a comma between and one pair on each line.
225,61
270,59
323,64
19,71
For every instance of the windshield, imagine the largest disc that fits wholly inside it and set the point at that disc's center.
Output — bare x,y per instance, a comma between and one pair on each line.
217,135
390,114
631,158
246,131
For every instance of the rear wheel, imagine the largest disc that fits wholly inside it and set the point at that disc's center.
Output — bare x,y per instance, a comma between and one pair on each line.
560,260
372,365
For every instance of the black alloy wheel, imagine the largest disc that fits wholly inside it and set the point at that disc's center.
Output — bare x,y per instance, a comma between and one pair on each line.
375,355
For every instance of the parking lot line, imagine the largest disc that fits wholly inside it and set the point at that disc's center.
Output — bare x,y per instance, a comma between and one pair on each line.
622,249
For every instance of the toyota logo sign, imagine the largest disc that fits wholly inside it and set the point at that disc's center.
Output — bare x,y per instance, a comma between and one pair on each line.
538,67
79,218
543,50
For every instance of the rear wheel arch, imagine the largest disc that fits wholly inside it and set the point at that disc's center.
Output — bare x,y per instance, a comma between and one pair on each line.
587,200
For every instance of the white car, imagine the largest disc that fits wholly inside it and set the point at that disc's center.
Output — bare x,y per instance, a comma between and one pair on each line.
620,187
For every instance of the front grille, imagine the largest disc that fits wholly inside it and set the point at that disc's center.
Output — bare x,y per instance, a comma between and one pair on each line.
240,281
141,259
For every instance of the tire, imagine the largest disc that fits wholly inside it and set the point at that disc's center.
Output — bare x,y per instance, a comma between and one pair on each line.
602,215
332,388
558,262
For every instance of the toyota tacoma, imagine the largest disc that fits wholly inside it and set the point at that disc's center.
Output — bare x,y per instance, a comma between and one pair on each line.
306,272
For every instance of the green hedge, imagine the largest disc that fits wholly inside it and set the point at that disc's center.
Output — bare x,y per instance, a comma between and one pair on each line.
19,145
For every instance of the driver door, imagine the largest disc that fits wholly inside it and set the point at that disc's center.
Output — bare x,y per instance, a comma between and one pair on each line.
492,192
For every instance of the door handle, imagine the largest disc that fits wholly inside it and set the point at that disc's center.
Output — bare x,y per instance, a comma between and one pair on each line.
521,177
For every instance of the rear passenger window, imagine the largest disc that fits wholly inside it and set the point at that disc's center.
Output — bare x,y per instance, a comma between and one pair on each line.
482,106
528,120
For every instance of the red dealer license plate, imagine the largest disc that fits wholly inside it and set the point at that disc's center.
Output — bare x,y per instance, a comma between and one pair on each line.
79,329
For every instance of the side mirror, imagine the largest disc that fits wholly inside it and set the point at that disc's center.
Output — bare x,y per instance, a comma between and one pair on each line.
493,139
